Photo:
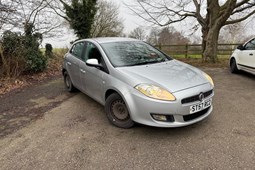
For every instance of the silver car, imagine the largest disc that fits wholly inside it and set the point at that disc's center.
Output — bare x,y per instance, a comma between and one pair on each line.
138,83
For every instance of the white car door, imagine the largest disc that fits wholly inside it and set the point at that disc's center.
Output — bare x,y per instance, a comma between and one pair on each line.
246,56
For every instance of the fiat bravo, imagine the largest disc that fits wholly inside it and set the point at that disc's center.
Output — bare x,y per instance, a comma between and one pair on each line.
137,83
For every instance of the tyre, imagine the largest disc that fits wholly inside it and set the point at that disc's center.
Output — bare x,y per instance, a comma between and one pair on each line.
233,67
68,82
117,111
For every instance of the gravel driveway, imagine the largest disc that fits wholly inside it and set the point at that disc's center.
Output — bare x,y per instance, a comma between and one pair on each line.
71,131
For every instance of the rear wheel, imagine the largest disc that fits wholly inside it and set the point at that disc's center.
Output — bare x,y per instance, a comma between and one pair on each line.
233,66
68,82
117,111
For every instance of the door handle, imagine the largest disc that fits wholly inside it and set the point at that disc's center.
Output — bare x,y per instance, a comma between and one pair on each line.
251,54
69,63
83,71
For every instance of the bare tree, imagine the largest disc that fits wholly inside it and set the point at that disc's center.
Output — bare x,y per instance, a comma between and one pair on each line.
138,33
7,12
153,37
169,35
211,15
107,22
15,14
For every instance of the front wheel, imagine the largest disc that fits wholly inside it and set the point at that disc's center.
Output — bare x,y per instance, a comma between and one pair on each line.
233,66
117,111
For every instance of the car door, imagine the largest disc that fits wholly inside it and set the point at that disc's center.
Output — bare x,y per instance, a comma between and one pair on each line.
73,60
91,77
247,55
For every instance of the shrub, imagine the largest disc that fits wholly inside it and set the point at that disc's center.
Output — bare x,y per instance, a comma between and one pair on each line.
35,61
21,53
12,54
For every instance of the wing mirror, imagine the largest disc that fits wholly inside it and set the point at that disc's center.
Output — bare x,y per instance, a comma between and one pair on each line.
93,63
240,47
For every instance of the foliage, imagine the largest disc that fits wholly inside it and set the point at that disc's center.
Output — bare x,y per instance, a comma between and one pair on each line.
80,15
35,61
53,69
20,53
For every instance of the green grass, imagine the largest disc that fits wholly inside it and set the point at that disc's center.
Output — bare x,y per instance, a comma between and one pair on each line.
196,56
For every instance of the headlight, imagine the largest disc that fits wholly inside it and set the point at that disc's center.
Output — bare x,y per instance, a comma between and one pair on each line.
209,79
155,92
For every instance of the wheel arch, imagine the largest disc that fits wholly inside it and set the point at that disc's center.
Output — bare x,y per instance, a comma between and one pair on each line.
121,93
109,92
233,58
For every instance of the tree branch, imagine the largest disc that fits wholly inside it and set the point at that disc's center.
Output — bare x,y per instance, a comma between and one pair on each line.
54,9
240,19
248,6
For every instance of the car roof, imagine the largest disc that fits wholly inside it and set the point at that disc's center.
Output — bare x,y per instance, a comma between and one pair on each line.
101,40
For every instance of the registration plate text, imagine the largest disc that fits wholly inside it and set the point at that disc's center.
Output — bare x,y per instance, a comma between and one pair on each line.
200,106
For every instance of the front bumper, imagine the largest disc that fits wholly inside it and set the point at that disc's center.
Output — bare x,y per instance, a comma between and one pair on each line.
141,107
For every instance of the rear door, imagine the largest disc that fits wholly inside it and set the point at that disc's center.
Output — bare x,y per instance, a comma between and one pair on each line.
73,60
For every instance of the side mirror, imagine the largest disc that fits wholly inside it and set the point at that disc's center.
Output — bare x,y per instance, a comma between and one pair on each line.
240,47
93,63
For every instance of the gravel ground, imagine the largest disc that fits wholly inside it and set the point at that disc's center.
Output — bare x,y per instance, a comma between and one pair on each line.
71,131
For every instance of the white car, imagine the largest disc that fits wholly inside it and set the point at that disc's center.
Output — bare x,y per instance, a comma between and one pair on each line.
243,58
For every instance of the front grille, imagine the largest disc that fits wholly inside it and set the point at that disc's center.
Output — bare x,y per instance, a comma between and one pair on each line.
195,115
196,97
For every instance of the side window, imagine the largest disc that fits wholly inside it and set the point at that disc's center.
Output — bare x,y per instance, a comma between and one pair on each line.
250,45
77,49
92,52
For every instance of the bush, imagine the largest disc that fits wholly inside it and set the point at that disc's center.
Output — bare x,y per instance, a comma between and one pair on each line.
35,61
21,53
12,54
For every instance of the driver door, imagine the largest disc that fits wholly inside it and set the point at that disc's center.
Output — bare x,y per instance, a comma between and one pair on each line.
92,78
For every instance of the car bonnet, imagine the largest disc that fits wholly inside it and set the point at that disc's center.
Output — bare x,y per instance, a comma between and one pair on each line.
172,75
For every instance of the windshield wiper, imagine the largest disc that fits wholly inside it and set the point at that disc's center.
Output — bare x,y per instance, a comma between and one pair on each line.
146,62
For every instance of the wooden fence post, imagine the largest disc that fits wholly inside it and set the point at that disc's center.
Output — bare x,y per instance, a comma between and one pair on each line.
186,50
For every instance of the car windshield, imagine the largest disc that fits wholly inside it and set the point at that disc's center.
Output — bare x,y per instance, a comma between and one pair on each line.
131,53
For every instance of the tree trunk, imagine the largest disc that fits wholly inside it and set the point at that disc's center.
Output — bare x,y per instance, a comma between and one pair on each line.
210,32
210,45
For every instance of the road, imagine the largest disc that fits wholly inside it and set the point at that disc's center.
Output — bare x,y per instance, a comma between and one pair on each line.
57,130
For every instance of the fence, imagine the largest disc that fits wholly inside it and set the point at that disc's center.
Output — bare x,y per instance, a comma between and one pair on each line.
195,50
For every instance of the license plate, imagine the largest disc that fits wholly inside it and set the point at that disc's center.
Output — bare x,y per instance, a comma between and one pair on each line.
201,106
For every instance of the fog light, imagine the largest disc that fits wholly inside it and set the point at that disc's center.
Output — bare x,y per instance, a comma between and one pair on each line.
159,117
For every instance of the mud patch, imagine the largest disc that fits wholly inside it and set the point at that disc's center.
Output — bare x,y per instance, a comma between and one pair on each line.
20,109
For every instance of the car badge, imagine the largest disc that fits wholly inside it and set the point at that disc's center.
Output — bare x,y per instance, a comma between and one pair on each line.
201,97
